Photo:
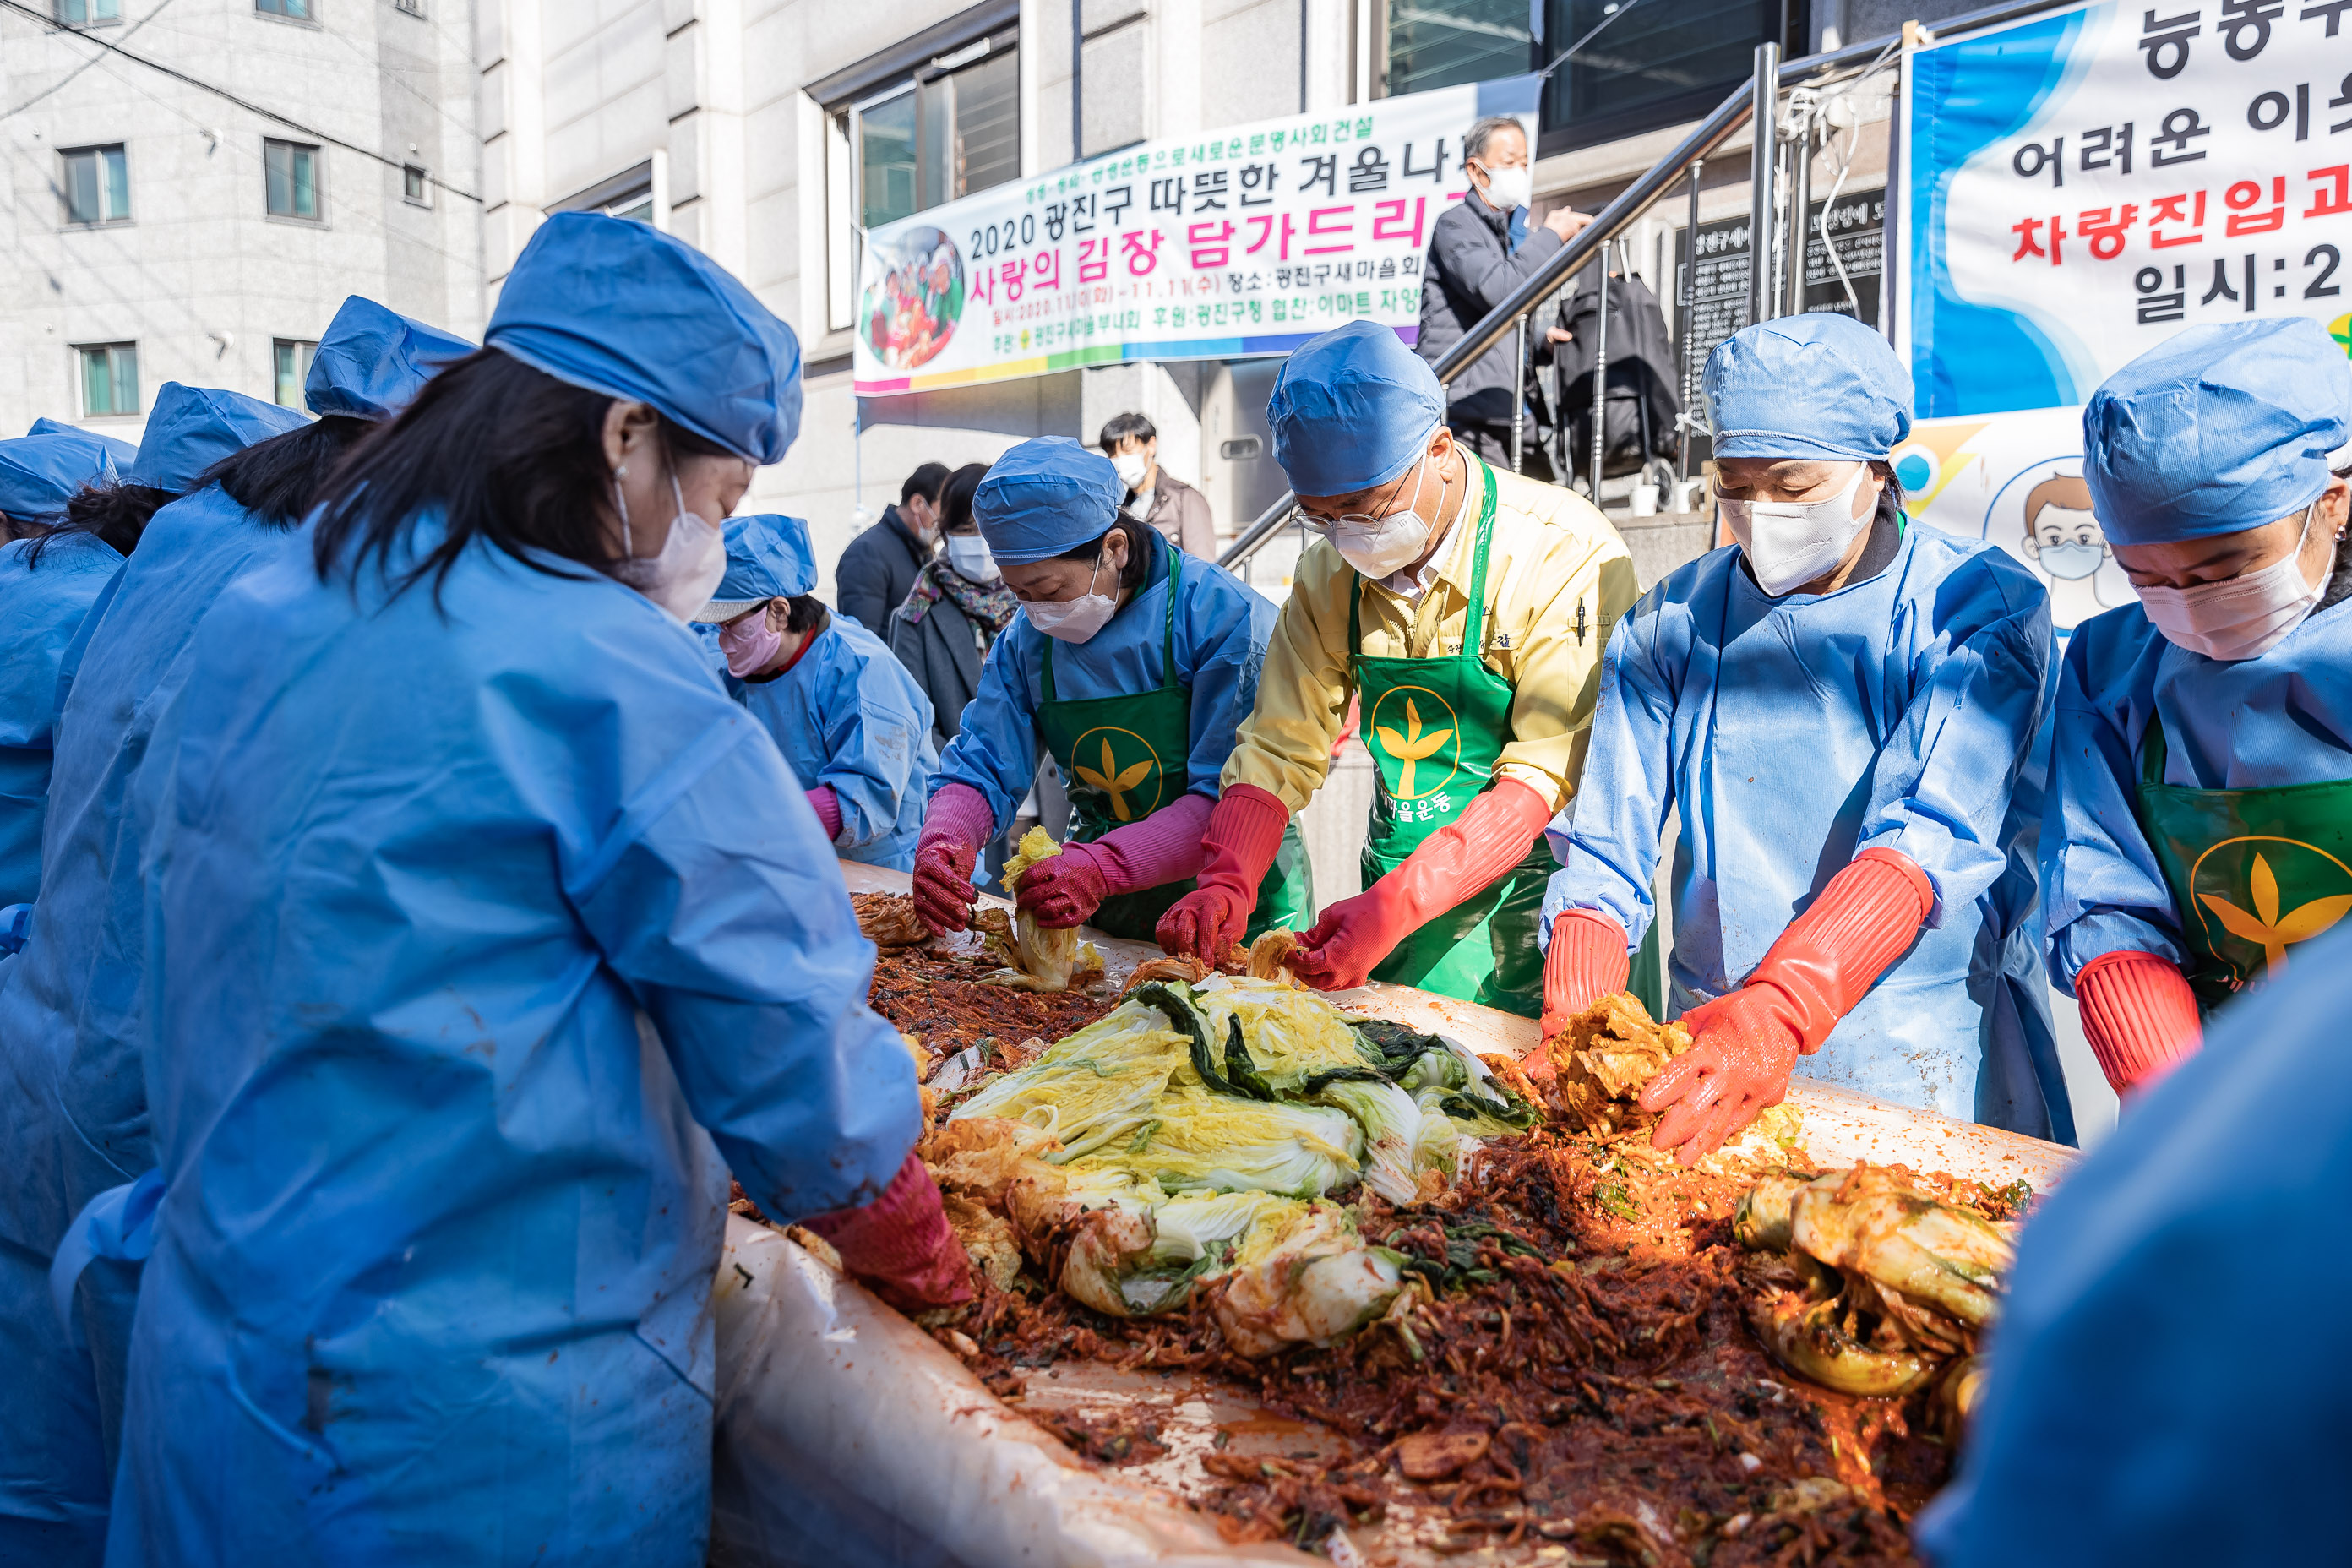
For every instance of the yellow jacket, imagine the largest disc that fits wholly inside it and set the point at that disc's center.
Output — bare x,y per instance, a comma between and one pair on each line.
1558,577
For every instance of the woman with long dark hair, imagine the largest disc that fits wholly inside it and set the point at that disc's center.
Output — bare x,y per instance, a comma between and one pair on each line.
471,978
75,1113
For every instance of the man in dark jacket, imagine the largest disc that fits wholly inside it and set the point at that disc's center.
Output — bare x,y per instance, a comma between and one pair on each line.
879,565
1471,268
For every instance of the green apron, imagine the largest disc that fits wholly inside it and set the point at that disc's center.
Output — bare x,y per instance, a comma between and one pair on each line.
1435,727
1124,758
2253,871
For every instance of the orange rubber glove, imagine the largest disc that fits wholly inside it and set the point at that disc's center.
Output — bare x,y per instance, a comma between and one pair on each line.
1586,960
956,823
901,1243
1745,1045
2139,1016
1244,834
1454,864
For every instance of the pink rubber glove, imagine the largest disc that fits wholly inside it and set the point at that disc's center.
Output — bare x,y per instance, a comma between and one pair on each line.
1244,834
1454,864
955,824
1162,848
1745,1045
827,806
2139,1016
1586,960
901,1243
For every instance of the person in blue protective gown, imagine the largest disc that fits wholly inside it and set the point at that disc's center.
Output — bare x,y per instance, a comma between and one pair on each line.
470,976
1843,710
44,594
853,727
1130,664
2147,1398
76,1116
2199,820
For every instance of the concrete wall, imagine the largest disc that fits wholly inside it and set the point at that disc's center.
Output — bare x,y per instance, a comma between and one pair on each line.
200,277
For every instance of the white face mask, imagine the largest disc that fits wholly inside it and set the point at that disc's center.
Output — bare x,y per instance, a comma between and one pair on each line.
1790,544
1379,546
969,558
1131,466
1072,620
693,560
2243,617
1509,188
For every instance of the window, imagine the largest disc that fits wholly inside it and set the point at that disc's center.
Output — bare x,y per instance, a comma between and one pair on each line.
1446,43
1654,67
98,185
110,378
414,186
637,209
292,175
293,364
89,13
301,10
412,8
954,129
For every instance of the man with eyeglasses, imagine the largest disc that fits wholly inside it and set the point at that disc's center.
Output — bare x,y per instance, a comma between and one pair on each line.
1466,608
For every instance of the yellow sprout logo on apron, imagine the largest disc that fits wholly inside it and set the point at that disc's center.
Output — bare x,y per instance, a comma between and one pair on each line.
1119,762
1416,726
2269,893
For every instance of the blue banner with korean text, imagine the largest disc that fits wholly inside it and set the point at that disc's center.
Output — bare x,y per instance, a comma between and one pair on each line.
2078,187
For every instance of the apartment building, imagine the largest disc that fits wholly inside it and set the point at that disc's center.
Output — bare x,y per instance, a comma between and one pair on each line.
195,185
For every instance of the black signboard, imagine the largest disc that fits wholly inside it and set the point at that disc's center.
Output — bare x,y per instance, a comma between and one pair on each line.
1719,292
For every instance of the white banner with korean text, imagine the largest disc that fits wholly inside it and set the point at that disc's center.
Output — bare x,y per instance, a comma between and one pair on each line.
1246,241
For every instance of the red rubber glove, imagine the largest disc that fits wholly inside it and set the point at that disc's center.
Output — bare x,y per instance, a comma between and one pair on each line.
827,806
1745,1045
1065,888
901,1243
1456,863
1244,834
956,823
1586,960
2139,1016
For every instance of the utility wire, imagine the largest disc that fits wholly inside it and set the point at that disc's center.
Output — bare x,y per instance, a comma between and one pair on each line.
246,104
1561,58
85,65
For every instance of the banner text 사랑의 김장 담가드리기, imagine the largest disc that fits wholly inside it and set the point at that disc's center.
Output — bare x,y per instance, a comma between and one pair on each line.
1248,240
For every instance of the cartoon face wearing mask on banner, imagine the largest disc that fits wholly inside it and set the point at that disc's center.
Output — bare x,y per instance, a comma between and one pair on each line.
2062,539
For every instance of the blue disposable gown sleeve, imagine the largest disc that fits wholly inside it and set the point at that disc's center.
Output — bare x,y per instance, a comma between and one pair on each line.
996,752
2144,1402
1941,790
877,732
1606,838
1222,630
2102,888
734,931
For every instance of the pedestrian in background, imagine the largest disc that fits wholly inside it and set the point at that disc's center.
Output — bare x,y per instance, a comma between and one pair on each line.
879,565
1179,511
943,630
1475,260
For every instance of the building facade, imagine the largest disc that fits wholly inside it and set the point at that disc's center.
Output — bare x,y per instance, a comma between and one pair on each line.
194,187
